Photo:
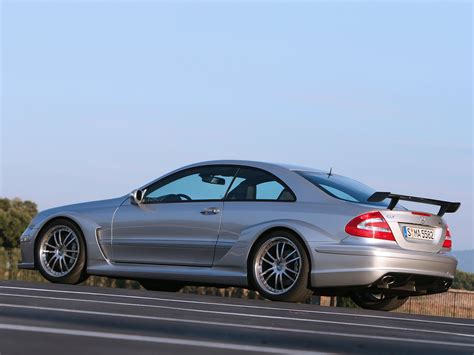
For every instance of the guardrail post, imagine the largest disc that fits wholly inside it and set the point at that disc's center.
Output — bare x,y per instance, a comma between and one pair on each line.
454,306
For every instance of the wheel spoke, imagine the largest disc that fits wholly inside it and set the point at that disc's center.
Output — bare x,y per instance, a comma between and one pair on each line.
61,265
49,245
270,255
294,251
60,238
69,256
293,271
66,238
48,251
72,239
282,250
71,251
267,261
56,237
277,252
268,277
292,260
292,279
52,259
65,264
54,264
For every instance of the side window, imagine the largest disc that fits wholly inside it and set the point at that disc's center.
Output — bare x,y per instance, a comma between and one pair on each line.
258,185
197,184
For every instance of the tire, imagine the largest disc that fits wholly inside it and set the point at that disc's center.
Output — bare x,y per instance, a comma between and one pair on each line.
377,301
60,253
159,285
284,274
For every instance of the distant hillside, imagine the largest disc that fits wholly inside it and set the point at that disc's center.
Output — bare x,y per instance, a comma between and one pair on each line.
466,259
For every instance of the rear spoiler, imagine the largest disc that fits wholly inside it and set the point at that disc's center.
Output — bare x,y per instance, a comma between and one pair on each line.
445,206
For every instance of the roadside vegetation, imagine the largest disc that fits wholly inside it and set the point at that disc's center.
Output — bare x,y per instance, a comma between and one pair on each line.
463,281
15,215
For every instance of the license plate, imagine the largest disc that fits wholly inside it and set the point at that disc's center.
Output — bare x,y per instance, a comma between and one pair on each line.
418,233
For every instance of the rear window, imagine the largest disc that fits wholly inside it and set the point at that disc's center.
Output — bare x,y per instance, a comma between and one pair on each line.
341,187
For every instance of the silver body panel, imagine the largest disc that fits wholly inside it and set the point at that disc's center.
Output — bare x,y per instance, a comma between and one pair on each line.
175,241
165,234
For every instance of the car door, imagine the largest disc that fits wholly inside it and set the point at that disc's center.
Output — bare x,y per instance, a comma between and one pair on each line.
178,221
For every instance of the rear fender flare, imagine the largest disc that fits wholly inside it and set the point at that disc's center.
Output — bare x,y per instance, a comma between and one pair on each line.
238,255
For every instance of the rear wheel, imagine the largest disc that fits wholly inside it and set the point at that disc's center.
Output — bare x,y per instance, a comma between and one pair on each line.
159,285
61,253
280,268
377,300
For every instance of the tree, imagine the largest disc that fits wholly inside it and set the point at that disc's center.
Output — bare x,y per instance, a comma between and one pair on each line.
463,281
15,215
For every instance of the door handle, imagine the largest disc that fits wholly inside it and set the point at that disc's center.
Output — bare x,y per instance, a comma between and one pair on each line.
210,211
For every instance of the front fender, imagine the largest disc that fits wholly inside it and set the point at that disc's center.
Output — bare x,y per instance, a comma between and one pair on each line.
88,226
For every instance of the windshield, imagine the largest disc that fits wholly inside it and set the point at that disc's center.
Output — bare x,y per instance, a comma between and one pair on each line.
341,187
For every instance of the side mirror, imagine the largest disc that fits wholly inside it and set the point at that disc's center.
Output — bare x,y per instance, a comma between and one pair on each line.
137,196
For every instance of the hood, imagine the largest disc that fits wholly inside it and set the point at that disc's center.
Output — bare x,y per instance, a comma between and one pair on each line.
79,207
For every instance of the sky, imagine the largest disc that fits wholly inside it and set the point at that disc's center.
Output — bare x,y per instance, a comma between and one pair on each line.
98,98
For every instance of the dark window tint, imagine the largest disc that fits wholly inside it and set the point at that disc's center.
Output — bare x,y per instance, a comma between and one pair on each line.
198,184
341,187
258,185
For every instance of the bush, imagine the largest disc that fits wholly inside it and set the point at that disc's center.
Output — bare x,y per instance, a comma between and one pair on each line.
15,215
463,281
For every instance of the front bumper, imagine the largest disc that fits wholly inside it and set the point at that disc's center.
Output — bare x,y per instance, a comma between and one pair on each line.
27,245
339,265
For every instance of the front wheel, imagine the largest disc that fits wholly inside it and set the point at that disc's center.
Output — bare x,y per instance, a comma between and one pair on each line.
280,268
61,253
377,301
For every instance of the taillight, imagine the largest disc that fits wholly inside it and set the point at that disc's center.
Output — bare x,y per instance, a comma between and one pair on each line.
370,225
421,214
448,243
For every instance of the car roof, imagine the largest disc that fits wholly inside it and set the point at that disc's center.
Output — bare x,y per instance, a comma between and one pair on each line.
258,164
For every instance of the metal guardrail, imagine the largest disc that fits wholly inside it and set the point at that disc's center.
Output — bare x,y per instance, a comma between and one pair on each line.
454,303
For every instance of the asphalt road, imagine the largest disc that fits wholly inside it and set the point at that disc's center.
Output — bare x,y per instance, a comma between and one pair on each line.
37,318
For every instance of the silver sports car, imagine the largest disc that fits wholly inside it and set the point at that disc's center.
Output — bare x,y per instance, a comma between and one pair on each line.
286,231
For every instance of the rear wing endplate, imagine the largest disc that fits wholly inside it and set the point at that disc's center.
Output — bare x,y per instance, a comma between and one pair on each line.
445,206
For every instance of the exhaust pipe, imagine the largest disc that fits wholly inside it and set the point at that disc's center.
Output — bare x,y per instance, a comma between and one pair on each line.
388,280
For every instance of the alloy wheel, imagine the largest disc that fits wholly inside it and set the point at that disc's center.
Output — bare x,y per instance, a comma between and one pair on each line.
59,251
277,265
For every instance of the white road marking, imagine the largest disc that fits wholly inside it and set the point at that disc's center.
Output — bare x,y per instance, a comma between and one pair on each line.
240,306
319,321
152,339
264,349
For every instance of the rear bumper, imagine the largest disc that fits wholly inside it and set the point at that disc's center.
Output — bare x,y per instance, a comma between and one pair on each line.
338,265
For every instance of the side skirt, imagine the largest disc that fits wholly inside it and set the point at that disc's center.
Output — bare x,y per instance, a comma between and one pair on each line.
190,274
